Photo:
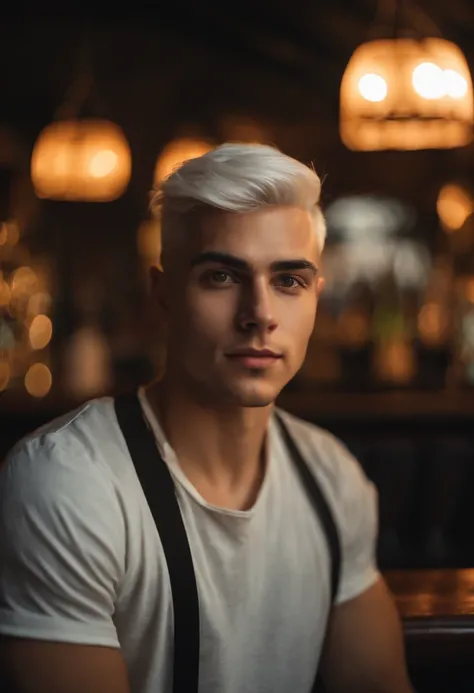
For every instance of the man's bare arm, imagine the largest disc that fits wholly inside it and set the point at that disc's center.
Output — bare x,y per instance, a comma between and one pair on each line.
35,666
364,649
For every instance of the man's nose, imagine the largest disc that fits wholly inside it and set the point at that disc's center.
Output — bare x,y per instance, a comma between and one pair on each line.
257,310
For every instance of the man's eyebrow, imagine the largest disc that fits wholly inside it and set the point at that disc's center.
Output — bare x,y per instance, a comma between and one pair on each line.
211,256
293,265
238,263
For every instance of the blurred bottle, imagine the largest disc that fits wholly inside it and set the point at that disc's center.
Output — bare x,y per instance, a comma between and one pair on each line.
354,337
435,326
393,362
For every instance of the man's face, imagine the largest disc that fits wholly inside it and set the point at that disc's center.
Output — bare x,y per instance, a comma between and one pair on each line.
241,296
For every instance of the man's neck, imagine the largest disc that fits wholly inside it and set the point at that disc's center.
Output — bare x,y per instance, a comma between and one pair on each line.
220,449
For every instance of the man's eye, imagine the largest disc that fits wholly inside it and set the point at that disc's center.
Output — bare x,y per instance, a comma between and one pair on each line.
287,281
220,277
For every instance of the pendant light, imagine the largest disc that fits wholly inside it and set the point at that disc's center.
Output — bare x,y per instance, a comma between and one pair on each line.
406,92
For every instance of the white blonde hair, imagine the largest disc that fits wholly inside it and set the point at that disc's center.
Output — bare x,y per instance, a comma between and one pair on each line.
238,178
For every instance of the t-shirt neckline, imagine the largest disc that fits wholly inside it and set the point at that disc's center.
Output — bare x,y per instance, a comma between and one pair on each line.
170,458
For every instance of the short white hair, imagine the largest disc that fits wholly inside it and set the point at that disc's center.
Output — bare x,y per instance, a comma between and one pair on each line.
238,178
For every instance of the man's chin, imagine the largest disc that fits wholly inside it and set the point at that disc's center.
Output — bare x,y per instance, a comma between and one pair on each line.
255,396
255,402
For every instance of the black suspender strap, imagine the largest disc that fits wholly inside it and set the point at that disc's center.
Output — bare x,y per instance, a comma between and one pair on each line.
320,504
324,513
159,491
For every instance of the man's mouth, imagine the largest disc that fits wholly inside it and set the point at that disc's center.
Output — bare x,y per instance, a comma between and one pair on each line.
254,358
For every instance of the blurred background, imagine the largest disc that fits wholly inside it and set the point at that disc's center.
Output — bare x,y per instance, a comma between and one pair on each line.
96,108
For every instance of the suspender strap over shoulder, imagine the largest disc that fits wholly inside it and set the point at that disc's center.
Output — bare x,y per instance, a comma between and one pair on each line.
323,512
159,491
320,504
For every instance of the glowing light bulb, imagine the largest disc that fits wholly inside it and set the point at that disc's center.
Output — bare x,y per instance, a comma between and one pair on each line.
456,85
429,81
373,87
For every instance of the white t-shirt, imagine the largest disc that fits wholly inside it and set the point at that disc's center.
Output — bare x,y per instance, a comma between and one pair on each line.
81,560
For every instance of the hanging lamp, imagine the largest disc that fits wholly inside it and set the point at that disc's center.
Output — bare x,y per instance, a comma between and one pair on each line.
80,159
406,92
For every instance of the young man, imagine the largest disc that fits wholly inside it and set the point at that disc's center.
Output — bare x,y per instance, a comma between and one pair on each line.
86,600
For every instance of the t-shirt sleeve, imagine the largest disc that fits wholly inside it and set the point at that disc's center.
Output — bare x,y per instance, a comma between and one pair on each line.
357,512
61,545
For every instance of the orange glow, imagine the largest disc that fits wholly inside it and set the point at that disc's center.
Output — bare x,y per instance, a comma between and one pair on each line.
432,323
103,163
454,205
394,361
406,94
38,380
177,152
41,331
24,281
76,160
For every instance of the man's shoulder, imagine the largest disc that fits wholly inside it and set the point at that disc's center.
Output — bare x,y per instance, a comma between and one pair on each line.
75,462
314,439
74,439
329,459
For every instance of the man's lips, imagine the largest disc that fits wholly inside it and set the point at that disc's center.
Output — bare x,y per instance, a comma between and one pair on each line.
254,358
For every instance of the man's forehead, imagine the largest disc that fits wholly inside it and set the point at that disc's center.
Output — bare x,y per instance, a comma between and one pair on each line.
260,238
261,218
270,233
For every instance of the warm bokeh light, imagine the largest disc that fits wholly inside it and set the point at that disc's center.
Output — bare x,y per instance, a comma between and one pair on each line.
454,206
103,163
4,375
24,281
373,87
40,332
3,234
428,81
38,380
394,361
177,152
456,85
354,328
83,160
406,94
432,324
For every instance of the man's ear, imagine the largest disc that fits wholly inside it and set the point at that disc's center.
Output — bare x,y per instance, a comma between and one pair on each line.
320,284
